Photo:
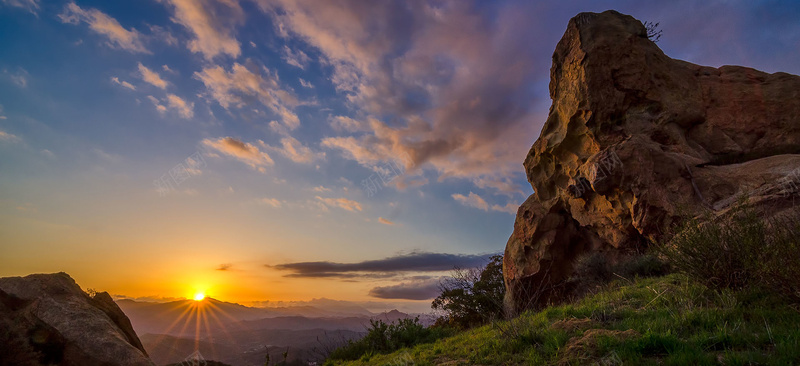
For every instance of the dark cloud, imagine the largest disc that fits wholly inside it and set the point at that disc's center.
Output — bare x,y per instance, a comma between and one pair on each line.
386,267
420,290
224,267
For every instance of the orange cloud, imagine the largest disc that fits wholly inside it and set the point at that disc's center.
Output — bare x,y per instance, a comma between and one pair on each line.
211,25
152,77
342,203
242,151
230,88
99,22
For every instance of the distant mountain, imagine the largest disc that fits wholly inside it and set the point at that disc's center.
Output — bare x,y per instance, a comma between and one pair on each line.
240,335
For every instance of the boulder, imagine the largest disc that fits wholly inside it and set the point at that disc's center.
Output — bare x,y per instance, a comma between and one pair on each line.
635,141
47,319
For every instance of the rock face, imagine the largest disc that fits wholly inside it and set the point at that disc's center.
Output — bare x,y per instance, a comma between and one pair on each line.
635,140
47,319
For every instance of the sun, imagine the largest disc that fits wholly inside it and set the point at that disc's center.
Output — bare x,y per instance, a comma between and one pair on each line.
199,296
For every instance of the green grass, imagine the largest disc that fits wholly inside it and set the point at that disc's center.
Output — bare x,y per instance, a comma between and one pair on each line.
677,322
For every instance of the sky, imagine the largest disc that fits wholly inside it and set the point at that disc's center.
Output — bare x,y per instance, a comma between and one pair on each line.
275,150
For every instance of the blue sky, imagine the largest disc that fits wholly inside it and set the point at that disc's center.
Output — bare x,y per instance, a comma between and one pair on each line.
266,117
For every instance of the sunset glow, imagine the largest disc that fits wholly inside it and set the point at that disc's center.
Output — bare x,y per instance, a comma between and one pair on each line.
273,152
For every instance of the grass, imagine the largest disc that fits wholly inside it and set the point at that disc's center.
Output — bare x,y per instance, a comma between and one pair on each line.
674,321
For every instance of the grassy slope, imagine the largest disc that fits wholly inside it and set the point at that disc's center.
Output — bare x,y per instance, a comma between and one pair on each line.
676,322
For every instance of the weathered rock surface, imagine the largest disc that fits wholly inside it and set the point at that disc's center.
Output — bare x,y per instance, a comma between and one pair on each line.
47,319
635,140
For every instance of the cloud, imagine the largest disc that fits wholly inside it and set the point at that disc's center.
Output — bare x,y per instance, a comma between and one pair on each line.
385,221
29,5
211,22
7,137
274,202
100,23
48,154
295,151
124,84
455,76
152,77
185,109
224,267
342,203
321,189
295,58
163,35
109,157
417,290
243,85
344,123
508,208
159,107
242,151
1,113
306,84
412,262
20,78
473,200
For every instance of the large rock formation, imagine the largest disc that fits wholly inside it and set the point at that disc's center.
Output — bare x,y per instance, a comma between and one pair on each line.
635,140
47,319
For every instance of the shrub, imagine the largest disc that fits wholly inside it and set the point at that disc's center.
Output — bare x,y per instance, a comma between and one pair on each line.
385,338
645,265
594,268
472,297
741,250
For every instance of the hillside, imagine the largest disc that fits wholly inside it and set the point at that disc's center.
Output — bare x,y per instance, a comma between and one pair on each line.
666,320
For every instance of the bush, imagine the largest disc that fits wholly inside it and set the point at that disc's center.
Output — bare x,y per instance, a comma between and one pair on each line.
472,297
645,265
739,251
593,268
385,338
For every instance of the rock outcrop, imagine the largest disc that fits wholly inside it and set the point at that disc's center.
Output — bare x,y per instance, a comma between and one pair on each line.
636,140
47,319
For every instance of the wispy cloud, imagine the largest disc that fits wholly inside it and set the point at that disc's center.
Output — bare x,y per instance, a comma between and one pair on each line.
385,221
7,137
211,22
242,85
473,200
306,84
296,58
224,267
151,77
245,152
295,151
157,103
272,202
101,23
344,123
476,201
413,262
29,5
124,84
20,77
343,203
184,108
